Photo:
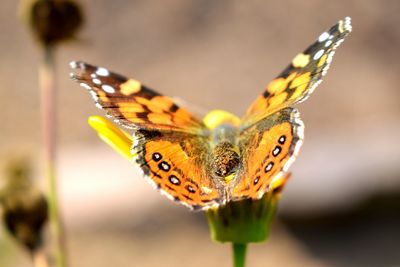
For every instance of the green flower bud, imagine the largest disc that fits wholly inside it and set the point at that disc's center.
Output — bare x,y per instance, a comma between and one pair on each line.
245,221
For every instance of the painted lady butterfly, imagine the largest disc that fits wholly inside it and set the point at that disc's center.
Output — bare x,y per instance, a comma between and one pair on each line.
201,166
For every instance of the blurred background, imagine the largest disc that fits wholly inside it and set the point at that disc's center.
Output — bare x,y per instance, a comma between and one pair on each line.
342,204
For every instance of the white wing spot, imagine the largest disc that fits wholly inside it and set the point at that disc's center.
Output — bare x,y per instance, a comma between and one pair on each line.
328,43
269,166
73,64
102,72
84,85
94,95
96,81
108,89
323,37
319,54
347,24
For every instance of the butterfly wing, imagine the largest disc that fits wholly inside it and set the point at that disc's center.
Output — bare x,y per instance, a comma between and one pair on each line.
268,148
170,145
176,165
301,77
131,103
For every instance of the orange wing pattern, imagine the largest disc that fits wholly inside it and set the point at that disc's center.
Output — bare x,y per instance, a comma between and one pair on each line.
132,104
170,144
177,166
267,148
301,77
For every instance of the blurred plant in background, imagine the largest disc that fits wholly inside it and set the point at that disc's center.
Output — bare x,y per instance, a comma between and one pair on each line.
24,209
51,22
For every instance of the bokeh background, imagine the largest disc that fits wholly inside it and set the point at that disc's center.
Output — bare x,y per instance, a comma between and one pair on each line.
342,204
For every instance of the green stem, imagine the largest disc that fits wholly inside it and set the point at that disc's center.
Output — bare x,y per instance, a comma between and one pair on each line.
48,95
239,254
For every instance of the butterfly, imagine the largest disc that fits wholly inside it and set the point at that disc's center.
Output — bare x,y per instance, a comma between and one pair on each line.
203,167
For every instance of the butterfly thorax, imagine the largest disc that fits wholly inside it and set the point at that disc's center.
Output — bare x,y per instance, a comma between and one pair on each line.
225,158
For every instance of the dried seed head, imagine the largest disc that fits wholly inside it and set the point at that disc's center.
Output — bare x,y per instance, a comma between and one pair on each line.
52,21
24,206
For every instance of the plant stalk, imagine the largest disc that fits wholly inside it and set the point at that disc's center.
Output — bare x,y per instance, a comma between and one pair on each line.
40,259
239,254
47,73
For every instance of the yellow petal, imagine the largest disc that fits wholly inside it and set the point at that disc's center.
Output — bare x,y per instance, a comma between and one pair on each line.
118,139
216,117
279,183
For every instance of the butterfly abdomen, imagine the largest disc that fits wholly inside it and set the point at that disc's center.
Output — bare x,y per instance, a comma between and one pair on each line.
225,158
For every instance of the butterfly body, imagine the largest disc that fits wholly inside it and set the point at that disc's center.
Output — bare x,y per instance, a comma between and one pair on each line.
203,164
225,158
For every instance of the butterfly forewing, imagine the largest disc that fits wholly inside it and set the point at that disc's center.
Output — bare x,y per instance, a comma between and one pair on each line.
302,75
131,103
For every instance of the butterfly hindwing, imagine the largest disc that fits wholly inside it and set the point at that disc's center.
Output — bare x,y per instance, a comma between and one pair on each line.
267,148
301,77
131,103
175,164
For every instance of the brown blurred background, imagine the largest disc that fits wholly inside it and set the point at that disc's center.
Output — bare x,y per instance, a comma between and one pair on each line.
342,204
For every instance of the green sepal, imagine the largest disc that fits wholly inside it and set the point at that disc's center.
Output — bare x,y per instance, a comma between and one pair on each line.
244,221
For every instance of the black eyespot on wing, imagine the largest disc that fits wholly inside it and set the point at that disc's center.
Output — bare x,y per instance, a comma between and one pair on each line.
190,189
173,108
276,151
174,180
156,156
269,167
163,165
266,94
282,139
